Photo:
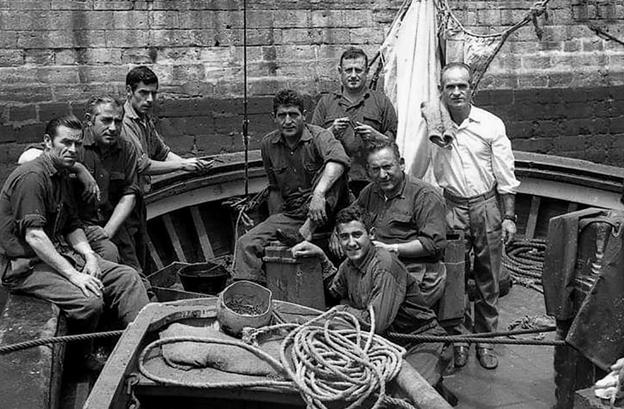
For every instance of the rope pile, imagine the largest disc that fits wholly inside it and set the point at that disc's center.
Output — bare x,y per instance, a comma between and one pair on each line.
326,365
524,259
341,365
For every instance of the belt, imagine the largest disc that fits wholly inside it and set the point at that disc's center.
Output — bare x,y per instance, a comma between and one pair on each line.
469,200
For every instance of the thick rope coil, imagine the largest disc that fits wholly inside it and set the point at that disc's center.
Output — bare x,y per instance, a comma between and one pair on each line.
524,259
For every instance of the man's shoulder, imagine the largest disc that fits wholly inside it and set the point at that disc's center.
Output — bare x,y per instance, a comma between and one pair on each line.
421,187
385,262
271,137
483,115
316,130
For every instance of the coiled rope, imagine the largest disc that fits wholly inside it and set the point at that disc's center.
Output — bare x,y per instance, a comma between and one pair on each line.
524,259
328,365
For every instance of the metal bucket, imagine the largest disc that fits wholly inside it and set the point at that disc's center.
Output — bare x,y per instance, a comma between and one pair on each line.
206,278
244,304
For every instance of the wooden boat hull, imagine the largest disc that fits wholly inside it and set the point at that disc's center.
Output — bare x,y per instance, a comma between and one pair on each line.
189,223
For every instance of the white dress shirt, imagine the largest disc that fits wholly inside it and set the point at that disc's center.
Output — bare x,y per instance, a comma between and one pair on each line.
480,158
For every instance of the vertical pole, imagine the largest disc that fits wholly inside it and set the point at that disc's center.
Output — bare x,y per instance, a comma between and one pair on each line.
245,117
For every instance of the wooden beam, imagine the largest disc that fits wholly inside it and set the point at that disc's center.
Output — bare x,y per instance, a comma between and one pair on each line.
154,254
173,235
532,220
204,241
572,207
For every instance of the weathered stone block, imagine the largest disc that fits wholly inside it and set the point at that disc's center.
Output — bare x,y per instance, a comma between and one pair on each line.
47,111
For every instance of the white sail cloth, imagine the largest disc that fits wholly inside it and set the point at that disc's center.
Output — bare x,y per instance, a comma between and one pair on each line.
411,69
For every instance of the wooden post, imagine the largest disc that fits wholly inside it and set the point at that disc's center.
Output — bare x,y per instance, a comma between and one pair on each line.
418,390
295,280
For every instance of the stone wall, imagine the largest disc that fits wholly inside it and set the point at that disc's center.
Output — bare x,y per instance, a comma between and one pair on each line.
54,54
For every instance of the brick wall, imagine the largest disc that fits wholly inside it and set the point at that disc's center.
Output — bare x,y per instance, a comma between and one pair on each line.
54,54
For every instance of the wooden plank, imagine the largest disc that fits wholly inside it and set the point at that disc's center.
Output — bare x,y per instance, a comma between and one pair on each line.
173,235
572,207
532,221
154,254
204,241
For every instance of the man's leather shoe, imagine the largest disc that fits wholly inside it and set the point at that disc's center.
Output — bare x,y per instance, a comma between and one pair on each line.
461,355
487,358
289,237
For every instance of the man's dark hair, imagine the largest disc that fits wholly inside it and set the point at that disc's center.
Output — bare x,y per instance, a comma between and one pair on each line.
378,145
69,121
288,97
353,53
456,64
95,101
140,74
354,213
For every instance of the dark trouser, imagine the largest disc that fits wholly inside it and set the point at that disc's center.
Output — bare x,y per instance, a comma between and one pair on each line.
250,247
480,219
431,278
123,292
429,359
133,232
101,244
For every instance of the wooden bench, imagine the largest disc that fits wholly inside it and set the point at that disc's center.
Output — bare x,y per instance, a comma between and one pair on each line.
31,378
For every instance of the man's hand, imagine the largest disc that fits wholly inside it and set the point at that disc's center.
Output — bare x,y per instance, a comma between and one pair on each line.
339,125
316,211
334,245
91,192
196,164
92,267
87,284
97,233
306,249
368,133
509,231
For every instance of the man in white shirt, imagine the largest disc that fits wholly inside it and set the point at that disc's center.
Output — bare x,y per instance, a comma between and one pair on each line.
475,172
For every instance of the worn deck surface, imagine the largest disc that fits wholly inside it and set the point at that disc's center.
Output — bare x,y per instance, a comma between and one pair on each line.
524,377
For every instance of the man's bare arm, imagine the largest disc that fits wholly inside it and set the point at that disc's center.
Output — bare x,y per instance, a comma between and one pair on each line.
41,244
120,213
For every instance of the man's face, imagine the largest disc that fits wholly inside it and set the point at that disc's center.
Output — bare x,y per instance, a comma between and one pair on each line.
353,73
289,120
455,88
63,147
385,170
143,97
106,123
354,240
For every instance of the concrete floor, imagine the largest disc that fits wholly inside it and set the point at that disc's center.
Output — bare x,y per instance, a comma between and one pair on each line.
525,375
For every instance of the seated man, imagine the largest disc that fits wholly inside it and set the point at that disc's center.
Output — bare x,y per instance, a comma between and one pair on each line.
112,161
408,217
306,166
374,276
43,249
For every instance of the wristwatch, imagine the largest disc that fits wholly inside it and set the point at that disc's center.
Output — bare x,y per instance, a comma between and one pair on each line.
512,217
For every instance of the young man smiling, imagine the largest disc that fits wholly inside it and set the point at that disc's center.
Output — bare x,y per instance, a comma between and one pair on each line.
374,276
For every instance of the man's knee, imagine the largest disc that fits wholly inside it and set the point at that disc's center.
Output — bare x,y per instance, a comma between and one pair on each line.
88,308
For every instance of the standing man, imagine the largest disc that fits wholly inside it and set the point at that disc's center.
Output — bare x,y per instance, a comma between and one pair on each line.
305,166
155,157
475,173
112,162
43,249
356,115
373,276
408,218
